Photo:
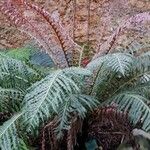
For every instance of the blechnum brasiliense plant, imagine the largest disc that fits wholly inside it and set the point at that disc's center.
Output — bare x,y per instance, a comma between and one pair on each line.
121,79
63,98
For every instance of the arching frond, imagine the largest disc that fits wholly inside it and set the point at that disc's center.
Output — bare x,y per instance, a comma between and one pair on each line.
134,48
130,23
74,104
107,80
136,106
45,96
9,139
117,62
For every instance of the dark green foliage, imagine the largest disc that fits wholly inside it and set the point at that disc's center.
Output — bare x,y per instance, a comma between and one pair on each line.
122,79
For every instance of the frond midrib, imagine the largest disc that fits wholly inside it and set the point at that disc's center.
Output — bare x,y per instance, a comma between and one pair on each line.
120,87
67,103
9,125
42,101
122,70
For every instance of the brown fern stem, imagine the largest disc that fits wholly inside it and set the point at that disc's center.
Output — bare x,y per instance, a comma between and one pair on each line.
60,32
15,16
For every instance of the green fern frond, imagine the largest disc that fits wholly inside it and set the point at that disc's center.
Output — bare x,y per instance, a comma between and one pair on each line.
130,89
109,81
136,105
3,55
73,105
9,139
142,89
44,97
15,74
117,62
10,99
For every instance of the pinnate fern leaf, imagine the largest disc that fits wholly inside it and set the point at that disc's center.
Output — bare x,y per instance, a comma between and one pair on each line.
136,105
44,97
74,104
133,22
117,62
9,139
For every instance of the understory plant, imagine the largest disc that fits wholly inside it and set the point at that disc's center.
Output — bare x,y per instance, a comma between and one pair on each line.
71,107
121,81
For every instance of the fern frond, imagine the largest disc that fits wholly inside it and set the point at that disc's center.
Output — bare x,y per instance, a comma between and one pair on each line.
65,40
117,62
136,72
10,99
30,27
14,72
135,105
23,145
48,136
74,104
130,23
45,96
143,60
9,138
77,72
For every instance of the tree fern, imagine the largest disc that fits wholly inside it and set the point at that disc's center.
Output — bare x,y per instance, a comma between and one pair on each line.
9,138
44,97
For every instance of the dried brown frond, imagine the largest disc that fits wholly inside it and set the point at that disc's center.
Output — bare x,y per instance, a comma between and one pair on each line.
110,127
49,140
67,43
48,137
75,128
